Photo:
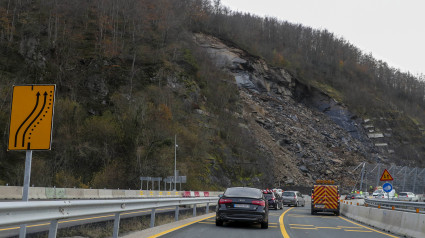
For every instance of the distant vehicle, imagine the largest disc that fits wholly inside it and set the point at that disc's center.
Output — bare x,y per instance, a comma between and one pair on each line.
358,196
384,196
376,192
354,196
274,199
278,191
294,198
390,195
243,204
408,197
325,197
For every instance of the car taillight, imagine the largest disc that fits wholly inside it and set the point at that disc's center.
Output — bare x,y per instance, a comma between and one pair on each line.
312,196
273,198
259,203
295,197
224,201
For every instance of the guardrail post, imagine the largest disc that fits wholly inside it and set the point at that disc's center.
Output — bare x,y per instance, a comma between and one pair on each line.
208,208
53,230
23,231
153,217
194,210
116,225
176,216
25,189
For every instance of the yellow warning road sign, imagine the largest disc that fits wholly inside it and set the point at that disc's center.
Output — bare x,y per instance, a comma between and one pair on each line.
31,117
386,176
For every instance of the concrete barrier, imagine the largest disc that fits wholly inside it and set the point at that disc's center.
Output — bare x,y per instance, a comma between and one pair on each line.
105,194
118,193
132,194
15,193
398,222
74,193
91,193
38,193
11,192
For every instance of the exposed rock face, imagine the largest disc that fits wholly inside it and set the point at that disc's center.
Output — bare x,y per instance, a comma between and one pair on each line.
308,134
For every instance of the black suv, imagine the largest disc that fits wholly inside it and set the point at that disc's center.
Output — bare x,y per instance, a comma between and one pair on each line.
274,199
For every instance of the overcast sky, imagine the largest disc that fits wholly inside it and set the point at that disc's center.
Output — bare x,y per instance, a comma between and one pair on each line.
392,30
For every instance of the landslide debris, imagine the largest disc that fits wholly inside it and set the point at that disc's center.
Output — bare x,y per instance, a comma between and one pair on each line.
308,134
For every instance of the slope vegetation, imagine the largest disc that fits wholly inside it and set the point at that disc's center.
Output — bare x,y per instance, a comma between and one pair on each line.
131,75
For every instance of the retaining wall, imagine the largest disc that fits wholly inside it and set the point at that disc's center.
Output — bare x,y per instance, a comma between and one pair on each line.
401,223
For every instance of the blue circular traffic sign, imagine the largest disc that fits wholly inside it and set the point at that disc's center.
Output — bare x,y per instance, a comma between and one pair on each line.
387,187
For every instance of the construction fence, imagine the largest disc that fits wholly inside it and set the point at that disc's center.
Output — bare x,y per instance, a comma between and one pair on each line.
405,178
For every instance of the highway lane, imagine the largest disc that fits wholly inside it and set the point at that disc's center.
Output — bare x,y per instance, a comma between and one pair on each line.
207,228
300,223
294,222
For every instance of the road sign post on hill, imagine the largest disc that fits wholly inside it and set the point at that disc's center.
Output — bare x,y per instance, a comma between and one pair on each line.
30,127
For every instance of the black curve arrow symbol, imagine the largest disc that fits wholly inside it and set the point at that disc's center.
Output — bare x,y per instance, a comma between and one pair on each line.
33,110
28,127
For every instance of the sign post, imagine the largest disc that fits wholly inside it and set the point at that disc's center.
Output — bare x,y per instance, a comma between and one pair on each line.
31,122
387,187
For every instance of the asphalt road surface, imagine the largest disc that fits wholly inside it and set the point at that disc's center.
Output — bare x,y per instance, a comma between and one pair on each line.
294,222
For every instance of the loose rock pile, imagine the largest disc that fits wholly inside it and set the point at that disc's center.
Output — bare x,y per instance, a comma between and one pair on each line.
307,134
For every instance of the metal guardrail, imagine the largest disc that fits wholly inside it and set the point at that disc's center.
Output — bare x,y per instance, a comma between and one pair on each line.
396,205
15,213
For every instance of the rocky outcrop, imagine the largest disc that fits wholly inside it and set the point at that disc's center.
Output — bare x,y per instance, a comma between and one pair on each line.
308,134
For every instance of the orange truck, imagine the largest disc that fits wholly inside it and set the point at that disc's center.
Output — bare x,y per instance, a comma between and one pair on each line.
325,197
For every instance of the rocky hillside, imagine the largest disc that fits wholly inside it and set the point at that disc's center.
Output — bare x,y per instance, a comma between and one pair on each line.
253,101
306,134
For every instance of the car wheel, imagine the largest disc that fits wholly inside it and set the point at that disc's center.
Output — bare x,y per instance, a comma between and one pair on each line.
337,213
218,222
264,225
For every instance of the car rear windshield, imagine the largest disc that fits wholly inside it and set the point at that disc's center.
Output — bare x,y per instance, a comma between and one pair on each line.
402,194
268,196
288,194
243,192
